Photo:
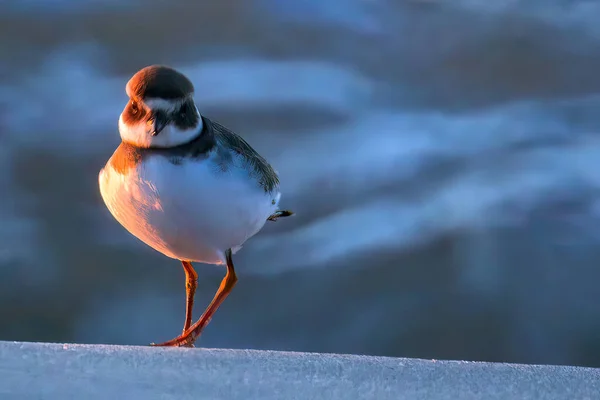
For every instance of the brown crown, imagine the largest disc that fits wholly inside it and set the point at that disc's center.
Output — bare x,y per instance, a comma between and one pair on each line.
158,81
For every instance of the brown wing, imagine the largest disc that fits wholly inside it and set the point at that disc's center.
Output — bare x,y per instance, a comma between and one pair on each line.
266,175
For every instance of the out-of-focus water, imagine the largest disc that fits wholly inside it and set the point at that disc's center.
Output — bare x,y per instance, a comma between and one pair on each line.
442,159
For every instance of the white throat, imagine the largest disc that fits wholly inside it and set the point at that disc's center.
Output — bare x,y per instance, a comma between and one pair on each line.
139,135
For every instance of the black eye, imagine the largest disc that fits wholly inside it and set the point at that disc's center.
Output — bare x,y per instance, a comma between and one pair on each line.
183,113
185,117
134,107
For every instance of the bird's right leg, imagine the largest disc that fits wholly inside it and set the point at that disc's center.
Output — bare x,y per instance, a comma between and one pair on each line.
191,283
188,338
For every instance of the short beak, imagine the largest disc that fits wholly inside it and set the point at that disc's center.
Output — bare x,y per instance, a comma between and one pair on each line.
158,121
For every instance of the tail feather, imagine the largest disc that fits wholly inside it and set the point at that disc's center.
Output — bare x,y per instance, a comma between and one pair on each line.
280,213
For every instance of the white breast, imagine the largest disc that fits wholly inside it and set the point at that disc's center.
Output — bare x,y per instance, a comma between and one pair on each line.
193,211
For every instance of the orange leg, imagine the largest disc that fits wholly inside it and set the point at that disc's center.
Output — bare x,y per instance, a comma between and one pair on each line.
191,283
191,335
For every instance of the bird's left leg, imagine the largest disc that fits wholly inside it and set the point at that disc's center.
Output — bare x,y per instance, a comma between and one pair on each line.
189,337
281,213
191,283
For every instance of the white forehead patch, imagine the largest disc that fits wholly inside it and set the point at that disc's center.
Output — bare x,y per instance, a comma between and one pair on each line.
165,105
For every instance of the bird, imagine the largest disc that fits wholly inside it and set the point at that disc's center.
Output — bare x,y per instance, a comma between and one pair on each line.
185,185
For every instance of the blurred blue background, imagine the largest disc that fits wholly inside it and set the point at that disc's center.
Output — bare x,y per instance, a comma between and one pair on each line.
441,156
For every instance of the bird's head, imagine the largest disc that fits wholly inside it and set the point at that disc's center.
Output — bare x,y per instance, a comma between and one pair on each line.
161,111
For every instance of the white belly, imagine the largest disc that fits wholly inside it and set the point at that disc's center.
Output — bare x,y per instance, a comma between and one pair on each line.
193,211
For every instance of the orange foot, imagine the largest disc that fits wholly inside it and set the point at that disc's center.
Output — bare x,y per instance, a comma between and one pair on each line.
182,340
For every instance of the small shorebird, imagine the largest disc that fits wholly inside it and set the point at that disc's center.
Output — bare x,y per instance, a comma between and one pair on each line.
185,185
